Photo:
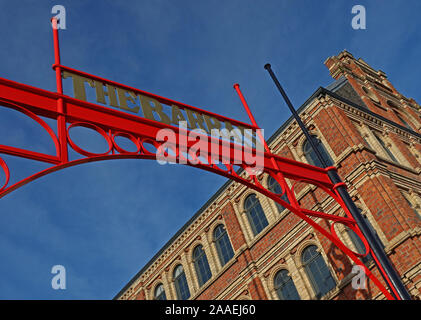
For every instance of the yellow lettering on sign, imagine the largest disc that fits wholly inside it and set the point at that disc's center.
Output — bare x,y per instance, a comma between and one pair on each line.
151,106
233,133
176,115
212,123
196,120
100,93
123,98
78,84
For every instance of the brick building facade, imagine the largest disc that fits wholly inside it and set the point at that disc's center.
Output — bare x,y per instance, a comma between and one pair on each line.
242,245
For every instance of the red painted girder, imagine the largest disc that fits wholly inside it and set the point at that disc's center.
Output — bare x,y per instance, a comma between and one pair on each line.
29,154
44,103
39,101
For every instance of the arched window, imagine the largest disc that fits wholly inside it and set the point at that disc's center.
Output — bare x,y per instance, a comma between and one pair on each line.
223,245
311,156
384,147
359,245
201,265
405,123
273,186
160,293
371,94
317,271
180,283
255,214
285,287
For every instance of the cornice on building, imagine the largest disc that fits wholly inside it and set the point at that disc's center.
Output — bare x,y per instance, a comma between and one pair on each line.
283,133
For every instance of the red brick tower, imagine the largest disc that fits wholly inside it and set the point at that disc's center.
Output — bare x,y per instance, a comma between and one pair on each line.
371,133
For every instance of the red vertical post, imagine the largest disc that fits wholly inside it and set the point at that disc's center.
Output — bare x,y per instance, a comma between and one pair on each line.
279,175
253,121
61,119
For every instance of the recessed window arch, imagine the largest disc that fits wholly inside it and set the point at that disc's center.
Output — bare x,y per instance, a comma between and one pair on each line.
385,148
412,206
180,283
284,286
201,265
159,293
223,244
356,241
405,123
256,216
359,245
371,94
317,271
311,156
273,186
392,104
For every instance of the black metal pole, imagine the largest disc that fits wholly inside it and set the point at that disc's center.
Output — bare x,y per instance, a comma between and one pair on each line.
375,246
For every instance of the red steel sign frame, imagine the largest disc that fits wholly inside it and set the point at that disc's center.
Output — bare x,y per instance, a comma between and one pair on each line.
70,112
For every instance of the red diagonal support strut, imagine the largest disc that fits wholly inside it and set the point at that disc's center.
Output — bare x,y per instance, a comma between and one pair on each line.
69,112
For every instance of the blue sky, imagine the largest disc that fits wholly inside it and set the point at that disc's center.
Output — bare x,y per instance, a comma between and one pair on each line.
104,221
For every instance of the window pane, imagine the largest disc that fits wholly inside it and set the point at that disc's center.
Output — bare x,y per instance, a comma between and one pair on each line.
359,245
274,187
180,282
201,265
223,245
255,214
160,293
311,156
318,272
285,287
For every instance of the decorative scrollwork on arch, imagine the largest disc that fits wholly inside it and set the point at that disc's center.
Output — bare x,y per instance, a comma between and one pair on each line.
6,171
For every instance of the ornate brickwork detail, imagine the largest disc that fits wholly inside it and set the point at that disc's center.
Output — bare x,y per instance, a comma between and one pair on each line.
375,182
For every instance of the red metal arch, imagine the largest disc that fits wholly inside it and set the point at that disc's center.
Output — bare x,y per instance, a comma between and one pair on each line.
109,123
